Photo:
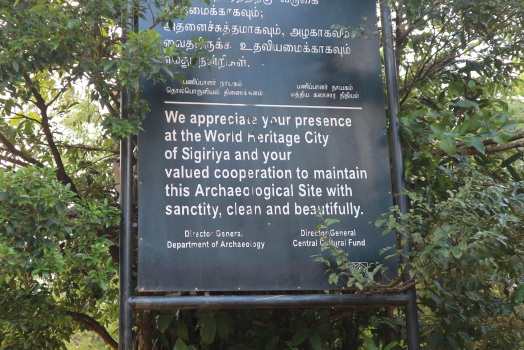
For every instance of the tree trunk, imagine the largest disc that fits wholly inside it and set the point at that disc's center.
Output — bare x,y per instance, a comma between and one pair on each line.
145,341
351,325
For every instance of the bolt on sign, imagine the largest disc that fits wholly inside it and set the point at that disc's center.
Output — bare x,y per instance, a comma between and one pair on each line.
282,119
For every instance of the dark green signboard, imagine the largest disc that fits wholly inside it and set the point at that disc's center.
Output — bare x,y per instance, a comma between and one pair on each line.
284,119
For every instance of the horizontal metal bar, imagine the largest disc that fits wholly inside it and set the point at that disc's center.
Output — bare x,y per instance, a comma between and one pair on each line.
267,301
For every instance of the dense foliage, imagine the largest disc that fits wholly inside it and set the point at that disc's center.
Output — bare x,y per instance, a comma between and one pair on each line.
458,62
54,265
62,66
62,70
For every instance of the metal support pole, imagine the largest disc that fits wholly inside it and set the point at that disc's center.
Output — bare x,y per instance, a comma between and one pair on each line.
126,225
126,237
398,158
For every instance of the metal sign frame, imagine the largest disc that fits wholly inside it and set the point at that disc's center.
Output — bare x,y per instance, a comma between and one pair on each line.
128,302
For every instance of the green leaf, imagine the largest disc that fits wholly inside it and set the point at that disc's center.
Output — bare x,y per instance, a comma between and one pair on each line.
448,145
514,173
208,330
225,324
28,127
301,335
466,104
333,279
331,221
455,88
457,252
519,293
107,65
438,129
180,345
453,345
464,336
164,320
182,331
418,113
374,321
15,121
479,145
272,344
391,345
462,128
315,340
73,22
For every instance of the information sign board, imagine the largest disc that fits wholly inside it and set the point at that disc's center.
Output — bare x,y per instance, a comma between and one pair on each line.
284,119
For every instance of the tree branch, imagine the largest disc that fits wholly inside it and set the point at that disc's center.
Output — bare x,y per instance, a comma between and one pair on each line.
95,326
14,151
474,151
42,106
13,161
88,148
22,116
